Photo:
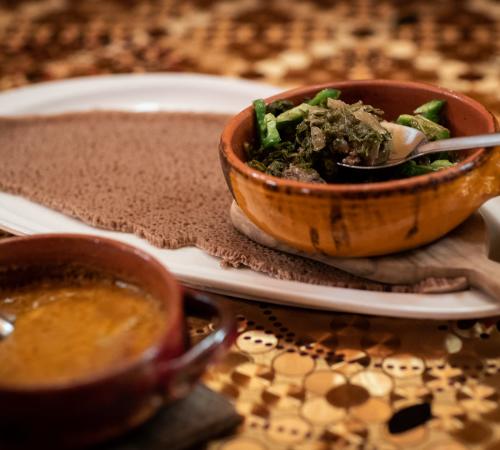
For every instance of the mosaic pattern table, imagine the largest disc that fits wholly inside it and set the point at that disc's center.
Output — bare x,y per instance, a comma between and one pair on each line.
305,379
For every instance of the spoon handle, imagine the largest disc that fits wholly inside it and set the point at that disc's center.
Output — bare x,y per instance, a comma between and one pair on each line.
460,143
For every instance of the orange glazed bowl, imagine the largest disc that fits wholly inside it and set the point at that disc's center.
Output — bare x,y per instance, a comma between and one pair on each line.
366,219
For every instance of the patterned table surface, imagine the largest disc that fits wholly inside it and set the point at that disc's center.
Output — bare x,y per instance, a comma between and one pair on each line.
305,379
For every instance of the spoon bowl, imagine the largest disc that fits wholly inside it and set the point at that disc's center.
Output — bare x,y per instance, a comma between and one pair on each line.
409,143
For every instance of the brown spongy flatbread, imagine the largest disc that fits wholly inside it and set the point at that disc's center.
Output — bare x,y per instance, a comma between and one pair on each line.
153,174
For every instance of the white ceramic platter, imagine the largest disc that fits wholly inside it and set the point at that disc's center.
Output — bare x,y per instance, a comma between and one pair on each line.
156,92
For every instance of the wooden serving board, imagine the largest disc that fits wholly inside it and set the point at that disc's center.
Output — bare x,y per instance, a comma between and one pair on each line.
461,253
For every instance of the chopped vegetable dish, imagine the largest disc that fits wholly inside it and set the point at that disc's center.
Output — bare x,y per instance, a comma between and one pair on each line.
306,142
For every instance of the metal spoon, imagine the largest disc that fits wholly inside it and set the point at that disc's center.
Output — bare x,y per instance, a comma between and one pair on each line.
6,326
409,143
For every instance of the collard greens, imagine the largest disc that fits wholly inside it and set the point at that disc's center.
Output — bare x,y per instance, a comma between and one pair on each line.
305,142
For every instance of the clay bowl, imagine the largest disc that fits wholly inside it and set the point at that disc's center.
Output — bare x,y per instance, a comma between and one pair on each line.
366,219
91,410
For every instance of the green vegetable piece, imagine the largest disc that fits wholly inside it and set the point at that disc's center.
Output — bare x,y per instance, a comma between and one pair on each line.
323,95
260,113
433,131
293,115
298,112
405,119
272,136
441,164
431,110
269,135
412,168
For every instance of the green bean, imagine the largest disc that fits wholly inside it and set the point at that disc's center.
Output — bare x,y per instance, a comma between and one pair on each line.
323,95
272,136
260,113
294,114
298,112
431,110
432,130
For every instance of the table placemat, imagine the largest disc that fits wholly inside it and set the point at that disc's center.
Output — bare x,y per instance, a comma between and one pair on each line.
305,379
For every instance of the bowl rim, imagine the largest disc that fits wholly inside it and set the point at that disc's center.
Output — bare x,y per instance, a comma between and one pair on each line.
374,188
149,355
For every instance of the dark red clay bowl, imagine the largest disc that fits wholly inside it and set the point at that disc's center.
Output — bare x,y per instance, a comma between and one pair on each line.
91,410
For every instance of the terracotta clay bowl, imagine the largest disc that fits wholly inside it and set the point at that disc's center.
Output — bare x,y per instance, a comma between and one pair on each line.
72,415
366,219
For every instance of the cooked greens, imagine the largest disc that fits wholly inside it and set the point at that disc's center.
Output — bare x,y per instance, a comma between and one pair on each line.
305,142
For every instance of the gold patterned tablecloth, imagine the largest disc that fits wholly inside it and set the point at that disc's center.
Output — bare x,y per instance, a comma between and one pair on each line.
305,379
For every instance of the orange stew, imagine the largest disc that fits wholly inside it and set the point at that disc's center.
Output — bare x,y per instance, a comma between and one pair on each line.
65,332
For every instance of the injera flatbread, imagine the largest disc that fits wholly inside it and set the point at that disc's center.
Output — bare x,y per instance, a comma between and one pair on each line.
153,174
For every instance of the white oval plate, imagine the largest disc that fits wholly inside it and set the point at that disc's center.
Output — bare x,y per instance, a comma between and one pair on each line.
176,92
